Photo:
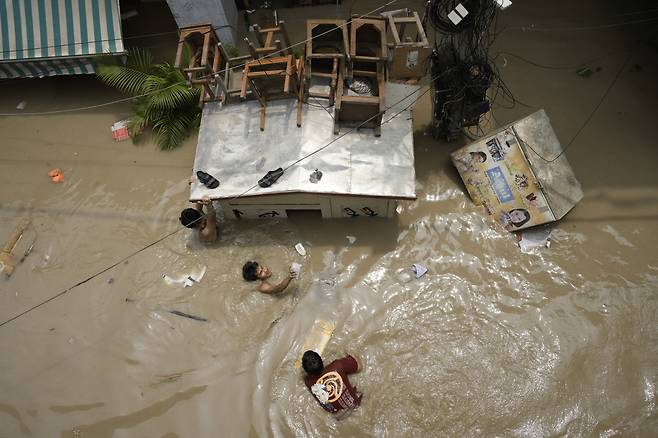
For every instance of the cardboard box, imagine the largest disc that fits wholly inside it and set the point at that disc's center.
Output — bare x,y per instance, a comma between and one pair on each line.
120,131
504,172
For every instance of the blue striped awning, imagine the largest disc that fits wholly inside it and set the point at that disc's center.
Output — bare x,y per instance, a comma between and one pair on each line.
54,37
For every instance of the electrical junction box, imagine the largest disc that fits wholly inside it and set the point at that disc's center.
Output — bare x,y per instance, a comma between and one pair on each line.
504,172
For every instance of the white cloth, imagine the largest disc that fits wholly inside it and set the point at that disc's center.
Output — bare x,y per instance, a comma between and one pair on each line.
320,392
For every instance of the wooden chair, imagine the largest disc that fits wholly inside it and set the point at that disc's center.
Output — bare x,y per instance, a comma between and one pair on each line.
272,78
410,55
368,44
205,59
325,56
368,57
362,111
268,45
231,83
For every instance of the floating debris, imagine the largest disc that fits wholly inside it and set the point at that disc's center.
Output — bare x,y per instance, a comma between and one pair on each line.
187,315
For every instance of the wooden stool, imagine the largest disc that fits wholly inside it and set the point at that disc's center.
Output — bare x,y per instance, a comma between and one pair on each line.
271,78
367,44
325,55
368,57
233,69
268,45
410,55
205,59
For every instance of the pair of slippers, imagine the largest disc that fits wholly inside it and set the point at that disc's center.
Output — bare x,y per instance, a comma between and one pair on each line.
270,178
207,179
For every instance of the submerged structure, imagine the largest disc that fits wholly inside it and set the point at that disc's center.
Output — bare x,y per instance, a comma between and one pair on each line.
519,173
326,132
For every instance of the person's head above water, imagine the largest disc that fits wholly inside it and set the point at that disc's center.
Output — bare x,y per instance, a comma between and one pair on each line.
519,216
190,218
312,362
252,271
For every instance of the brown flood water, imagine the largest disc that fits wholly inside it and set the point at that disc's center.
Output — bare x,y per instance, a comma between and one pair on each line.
490,342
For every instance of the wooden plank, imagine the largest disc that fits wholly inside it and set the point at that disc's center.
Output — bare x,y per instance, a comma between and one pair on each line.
324,75
284,33
268,40
361,100
179,54
206,46
325,56
245,82
266,73
372,74
194,69
394,30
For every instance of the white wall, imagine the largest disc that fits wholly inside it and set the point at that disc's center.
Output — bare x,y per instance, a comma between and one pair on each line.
331,206
217,12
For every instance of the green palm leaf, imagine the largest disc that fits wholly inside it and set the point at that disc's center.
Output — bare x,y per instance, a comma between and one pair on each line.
130,78
171,129
165,103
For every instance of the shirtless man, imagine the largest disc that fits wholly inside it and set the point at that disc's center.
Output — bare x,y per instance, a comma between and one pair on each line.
206,224
252,271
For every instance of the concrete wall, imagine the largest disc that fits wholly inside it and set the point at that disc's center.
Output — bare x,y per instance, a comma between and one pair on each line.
275,206
218,12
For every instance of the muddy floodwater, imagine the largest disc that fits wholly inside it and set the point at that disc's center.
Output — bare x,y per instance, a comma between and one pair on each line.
559,341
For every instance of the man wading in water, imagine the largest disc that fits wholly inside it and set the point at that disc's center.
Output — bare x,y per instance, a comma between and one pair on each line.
252,271
194,218
330,385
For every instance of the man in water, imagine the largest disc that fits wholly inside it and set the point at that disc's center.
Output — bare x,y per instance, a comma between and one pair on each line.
205,223
330,385
252,271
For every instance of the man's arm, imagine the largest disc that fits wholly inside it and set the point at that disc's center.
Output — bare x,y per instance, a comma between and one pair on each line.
350,364
211,217
268,288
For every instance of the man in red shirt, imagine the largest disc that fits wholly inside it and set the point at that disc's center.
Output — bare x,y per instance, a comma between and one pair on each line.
330,385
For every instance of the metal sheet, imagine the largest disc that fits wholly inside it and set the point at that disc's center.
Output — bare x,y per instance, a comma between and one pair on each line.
232,148
558,182
511,175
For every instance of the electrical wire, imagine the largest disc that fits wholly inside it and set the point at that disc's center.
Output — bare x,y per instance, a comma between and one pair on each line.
134,253
550,67
69,110
582,28
587,120
166,236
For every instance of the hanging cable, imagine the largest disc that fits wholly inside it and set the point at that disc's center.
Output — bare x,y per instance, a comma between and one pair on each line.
587,120
70,110
134,253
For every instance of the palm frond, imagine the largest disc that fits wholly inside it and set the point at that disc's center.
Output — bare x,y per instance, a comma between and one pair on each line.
140,59
173,97
165,103
130,78
171,129
136,125
124,79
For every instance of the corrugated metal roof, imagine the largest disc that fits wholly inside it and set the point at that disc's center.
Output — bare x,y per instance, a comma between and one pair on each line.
33,31
233,149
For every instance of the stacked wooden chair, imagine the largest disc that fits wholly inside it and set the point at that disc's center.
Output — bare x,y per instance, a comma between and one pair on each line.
411,53
231,81
271,78
269,45
205,59
325,57
368,58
